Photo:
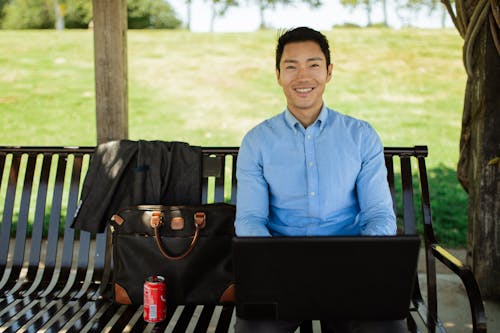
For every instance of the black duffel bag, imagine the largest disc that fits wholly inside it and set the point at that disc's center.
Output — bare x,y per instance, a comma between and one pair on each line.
188,245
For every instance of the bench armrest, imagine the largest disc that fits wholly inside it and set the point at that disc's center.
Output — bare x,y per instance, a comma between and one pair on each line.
469,282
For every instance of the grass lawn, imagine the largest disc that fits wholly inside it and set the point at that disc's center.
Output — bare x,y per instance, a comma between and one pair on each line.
209,89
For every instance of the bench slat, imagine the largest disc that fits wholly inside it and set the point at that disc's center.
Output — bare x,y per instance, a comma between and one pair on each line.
22,220
390,179
7,218
90,309
408,203
55,212
39,218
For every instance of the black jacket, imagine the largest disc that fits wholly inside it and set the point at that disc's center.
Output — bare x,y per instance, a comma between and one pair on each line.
126,173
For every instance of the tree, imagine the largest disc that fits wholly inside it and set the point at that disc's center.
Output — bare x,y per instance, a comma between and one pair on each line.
151,14
368,4
59,8
29,14
266,4
478,22
412,7
219,8
42,14
188,14
78,14
3,3
357,3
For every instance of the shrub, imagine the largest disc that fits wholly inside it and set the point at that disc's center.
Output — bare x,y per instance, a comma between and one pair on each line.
78,14
29,14
143,14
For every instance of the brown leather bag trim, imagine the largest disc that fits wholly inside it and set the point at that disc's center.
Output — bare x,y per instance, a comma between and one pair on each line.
118,219
177,223
156,219
228,296
200,219
121,295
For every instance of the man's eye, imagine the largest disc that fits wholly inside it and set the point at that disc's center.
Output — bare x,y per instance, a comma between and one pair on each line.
290,67
315,65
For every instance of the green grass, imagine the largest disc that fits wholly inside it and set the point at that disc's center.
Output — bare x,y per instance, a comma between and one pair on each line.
209,89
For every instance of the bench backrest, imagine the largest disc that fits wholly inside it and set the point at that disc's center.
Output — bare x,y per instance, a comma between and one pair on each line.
40,189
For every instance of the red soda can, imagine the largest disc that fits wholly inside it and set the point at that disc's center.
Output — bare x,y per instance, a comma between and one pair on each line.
155,305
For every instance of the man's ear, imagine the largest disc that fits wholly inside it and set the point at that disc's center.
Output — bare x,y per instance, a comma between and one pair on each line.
329,72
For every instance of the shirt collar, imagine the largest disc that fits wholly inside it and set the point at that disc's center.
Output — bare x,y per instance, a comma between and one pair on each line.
295,124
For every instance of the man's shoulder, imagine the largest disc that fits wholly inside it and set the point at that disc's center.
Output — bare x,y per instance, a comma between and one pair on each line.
268,126
346,119
341,119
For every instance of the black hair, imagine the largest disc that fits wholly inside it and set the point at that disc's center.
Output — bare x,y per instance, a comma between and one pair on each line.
301,34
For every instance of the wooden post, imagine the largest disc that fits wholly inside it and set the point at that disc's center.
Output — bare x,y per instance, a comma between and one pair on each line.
110,57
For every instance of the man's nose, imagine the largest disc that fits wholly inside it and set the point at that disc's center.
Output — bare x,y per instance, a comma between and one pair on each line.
302,72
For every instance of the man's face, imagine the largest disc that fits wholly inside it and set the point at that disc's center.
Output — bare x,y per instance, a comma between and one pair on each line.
303,76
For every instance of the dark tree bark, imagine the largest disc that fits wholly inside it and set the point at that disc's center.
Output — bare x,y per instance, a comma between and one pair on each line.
479,164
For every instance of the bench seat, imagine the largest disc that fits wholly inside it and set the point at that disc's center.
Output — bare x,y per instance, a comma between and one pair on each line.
57,279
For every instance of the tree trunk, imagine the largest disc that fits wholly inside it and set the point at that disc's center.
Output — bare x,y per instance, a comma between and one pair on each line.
110,58
262,8
213,16
188,19
479,167
369,12
59,11
384,8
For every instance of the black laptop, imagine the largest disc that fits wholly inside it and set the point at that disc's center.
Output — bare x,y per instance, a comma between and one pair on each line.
363,278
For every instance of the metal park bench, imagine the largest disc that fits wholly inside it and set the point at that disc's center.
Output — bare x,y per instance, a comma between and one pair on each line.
55,278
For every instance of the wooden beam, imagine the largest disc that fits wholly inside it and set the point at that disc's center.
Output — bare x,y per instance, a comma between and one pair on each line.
110,57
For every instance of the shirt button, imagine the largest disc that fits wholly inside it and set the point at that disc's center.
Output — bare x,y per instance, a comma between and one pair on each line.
311,164
313,194
309,136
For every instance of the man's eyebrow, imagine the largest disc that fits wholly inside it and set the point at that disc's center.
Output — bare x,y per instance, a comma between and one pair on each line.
315,59
309,59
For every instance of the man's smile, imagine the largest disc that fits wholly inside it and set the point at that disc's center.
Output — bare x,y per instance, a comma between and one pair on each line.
303,90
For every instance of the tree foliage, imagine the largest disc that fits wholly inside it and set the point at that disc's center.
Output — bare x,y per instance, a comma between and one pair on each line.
78,13
29,14
155,14
367,4
3,3
40,14
410,7
269,4
219,8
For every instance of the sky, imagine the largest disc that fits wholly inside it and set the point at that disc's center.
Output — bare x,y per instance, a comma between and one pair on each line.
246,16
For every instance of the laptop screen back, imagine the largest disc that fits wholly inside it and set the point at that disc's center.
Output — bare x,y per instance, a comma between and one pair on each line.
364,278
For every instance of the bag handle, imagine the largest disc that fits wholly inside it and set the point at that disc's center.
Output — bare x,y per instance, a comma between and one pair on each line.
157,220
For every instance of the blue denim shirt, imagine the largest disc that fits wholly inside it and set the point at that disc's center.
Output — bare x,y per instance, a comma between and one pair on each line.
327,179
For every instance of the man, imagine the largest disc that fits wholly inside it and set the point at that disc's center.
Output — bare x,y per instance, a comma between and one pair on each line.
310,170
